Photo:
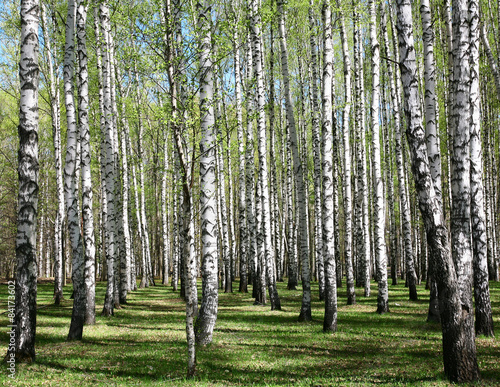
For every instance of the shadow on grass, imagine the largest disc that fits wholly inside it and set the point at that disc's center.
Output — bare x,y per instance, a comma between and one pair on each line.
145,341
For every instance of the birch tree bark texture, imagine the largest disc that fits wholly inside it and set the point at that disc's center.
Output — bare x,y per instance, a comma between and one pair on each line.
431,132
351,295
318,221
83,116
24,323
71,182
187,226
330,320
109,168
459,351
207,317
268,264
56,134
305,311
243,245
483,314
379,213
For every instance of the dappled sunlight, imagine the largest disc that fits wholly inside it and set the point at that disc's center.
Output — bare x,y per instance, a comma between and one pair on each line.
145,343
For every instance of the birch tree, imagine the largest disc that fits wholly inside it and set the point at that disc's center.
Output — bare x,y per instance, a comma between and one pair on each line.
305,311
330,320
379,213
208,310
228,287
431,133
403,196
483,314
24,322
459,351
87,214
243,231
56,134
71,182
109,168
263,164
164,210
249,175
351,296
318,238
461,248
362,214
187,227
126,257
120,286
146,260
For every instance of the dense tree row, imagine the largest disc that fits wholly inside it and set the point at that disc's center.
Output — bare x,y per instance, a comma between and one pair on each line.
253,142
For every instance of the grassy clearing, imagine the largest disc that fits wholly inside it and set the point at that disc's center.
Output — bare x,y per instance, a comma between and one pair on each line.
144,343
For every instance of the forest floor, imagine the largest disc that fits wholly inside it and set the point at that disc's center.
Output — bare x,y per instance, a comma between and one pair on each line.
144,344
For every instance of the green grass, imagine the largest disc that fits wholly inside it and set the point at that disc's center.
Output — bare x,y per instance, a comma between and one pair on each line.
144,343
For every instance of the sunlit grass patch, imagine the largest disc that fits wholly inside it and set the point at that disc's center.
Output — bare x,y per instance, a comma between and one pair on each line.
144,343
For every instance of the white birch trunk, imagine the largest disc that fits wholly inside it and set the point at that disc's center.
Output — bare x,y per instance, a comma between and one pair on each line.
364,245
243,231
460,168
431,125
336,166
330,320
71,182
263,164
208,310
119,236
305,310
483,314
389,183
125,261
228,288
272,161
164,211
249,175
318,218
187,231
403,197
293,266
146,260
24,320
56,134
459,351
87,210
102,153
260,282
379,212
351,296
110,169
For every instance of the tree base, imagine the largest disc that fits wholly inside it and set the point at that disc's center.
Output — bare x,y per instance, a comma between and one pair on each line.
21,357
191,372
58,298
107,312
90,320
305,316
413,293
382,306
433,314
484,327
